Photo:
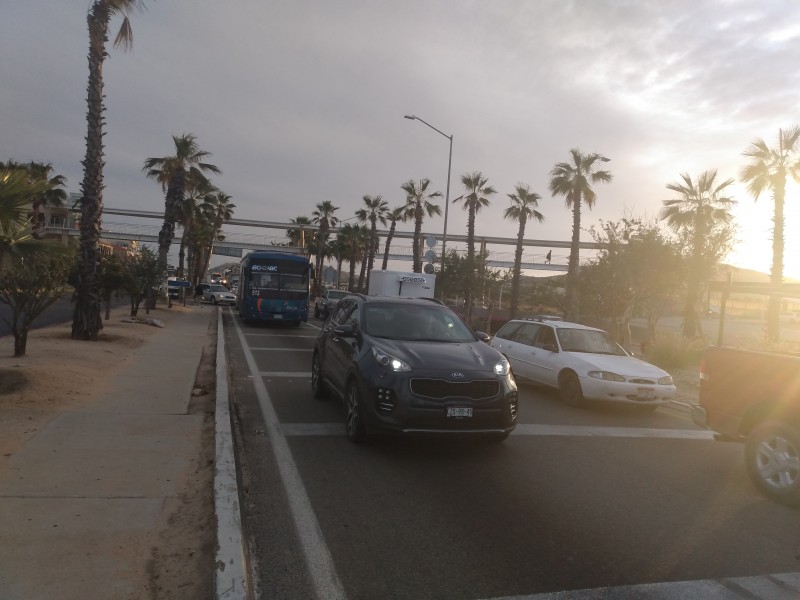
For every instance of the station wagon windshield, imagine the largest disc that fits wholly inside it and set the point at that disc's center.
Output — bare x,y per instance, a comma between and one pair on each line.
588,340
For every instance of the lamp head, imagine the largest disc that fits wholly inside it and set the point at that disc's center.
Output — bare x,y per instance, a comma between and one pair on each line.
412,117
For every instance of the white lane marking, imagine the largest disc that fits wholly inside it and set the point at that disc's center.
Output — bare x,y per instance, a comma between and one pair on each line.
300,374
622,432
319,561
284,349
532,430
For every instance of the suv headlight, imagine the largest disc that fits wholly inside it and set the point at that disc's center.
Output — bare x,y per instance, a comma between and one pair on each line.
502,367
606,375
387,360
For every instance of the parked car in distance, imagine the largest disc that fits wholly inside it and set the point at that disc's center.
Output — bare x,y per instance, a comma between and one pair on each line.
583,363
411,366
326,302
218,294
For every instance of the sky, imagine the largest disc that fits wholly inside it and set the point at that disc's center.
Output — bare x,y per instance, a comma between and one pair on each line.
300,101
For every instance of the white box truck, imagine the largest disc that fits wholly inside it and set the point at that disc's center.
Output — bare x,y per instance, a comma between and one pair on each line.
401,284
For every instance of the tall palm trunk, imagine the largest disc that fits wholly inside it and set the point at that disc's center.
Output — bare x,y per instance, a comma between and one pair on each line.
416,254
388,243
517,268
574,260
352,278
172,201
373,250
87,319
776,272
469,293
363,273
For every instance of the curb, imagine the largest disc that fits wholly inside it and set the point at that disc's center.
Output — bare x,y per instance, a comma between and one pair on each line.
230,576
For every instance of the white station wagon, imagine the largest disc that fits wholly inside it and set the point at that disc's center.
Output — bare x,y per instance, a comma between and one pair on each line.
583,363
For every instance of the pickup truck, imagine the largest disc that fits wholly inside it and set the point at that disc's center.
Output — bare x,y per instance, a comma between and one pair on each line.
753,397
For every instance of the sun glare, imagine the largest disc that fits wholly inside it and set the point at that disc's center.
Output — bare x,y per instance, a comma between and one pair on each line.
754,219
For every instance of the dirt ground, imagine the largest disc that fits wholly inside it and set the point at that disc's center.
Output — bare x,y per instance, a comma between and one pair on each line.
59,375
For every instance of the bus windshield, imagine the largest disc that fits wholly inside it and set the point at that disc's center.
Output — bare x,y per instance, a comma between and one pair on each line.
274,285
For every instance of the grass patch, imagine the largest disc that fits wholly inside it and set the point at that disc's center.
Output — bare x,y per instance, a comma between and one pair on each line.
672,351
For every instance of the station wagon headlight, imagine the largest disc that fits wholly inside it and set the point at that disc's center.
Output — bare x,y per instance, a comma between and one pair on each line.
502,367
605,375
665,380
386,360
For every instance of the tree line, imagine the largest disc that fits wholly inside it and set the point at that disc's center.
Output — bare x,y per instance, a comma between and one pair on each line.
698,215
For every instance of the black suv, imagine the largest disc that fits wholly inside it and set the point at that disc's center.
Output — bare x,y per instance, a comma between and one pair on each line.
411,365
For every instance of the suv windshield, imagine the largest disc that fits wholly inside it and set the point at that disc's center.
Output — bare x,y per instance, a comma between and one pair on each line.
415,323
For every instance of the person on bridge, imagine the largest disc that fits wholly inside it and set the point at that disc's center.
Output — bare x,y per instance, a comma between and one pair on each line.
548,257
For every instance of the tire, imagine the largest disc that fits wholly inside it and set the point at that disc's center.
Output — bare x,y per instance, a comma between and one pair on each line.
569,387
318,388
772,454
355,424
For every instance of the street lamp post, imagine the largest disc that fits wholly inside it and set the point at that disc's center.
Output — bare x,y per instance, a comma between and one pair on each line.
447,193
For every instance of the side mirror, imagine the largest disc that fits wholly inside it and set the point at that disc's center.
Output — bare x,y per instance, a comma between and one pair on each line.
345,331
483,336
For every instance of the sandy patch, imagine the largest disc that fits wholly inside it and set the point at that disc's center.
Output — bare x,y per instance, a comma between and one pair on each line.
59,375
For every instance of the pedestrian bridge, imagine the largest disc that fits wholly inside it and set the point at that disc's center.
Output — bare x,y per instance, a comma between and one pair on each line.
235,243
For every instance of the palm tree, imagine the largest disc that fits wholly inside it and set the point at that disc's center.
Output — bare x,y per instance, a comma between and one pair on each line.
399,213
700,206
323,217
87,320
352,237
375,209
53,193
196,190
418,202
173,173
523,207
574,181
769,168
475,198
16,194
297,237
220,209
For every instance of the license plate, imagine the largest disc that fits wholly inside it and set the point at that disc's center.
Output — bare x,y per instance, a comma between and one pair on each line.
646,393
278,317
459,412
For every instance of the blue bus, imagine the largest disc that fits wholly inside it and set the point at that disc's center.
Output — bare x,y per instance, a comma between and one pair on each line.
274,286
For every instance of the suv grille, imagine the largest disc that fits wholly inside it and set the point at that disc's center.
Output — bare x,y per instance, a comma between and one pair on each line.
439,389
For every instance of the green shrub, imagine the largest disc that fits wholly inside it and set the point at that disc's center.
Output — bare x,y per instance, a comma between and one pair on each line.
672,351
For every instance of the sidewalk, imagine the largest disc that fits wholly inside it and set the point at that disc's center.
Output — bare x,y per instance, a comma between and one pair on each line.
113,498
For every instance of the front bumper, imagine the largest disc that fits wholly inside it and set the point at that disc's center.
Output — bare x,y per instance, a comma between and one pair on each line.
623,392
392,406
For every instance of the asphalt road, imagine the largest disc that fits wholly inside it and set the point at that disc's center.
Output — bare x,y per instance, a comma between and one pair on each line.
574,499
